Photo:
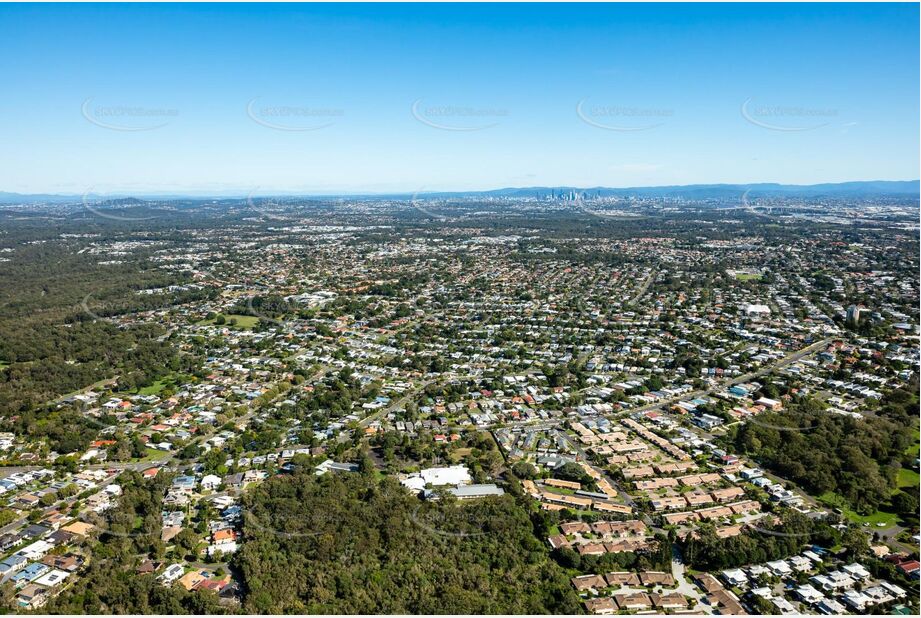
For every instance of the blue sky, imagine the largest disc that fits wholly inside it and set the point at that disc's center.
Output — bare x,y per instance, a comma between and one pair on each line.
329,98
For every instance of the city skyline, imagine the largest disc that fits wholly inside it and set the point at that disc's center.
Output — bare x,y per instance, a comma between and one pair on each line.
855,188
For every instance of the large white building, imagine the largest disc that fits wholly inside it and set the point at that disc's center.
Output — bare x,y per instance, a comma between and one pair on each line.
437,477
757,311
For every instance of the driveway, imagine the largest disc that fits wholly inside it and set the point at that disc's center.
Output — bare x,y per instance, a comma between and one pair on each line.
685,586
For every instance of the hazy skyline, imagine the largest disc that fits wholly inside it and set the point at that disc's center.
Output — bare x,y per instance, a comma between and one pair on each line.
326,99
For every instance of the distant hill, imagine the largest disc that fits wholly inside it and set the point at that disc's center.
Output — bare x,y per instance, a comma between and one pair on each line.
871,188
25,198
855,189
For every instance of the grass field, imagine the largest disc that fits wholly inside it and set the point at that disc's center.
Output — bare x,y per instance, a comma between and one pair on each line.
834,500
171,379
908,478
748,276
560,490
155,455
457,455
243,321
155,388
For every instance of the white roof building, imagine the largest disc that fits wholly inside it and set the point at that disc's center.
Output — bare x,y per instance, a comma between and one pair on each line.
783,606
210,481
809,594
779,568
800,563
171,573
813,556
36,550
856,570
831,607
735,577
757,310
857,600
52,578
223,548
451,475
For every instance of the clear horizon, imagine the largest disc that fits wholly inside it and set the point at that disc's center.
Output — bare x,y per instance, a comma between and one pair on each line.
382,99
231,194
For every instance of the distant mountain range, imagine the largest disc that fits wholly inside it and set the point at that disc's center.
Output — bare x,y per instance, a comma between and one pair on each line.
870,188
856,189
19,198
